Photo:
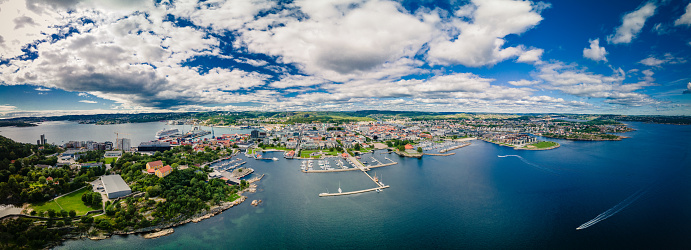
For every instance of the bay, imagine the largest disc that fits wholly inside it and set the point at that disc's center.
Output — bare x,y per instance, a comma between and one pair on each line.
473,199
60,132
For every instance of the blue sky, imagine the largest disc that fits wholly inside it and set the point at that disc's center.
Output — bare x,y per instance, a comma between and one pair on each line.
87,56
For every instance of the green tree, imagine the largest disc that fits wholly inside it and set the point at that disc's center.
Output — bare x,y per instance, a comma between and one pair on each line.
51,213
96,199
86,198
419,149
73,213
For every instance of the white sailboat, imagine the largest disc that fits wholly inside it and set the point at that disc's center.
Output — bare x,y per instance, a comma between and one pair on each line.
339,187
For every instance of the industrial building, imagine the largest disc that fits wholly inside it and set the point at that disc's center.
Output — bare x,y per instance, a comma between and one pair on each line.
154,146
115,186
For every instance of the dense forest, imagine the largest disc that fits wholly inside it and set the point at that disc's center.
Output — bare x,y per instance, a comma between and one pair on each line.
22,181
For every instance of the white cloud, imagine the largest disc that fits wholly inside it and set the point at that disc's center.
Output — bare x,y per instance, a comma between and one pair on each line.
82,94
532,55
573,81
42,89
523,82
652,61
87,101
667,58
687,91
341,40
595,52
7,108
686,18
480,42
632,23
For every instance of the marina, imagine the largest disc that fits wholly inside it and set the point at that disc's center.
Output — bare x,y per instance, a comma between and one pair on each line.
356,165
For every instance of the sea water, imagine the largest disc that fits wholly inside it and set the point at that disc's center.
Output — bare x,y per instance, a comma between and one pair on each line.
473,199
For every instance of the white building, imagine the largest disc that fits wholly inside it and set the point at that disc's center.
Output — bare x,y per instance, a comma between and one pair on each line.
123,143
115,186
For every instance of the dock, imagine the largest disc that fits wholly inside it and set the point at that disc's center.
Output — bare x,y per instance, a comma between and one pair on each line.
454,147
353,192
447,154
357,166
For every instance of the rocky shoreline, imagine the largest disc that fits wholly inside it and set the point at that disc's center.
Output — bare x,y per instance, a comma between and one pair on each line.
165,229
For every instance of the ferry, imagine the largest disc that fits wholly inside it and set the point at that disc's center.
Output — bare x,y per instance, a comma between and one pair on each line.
165,133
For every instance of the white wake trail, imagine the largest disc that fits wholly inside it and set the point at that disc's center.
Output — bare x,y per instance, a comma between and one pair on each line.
614,210
529,163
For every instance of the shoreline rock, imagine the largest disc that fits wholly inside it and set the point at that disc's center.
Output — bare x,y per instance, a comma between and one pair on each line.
158,234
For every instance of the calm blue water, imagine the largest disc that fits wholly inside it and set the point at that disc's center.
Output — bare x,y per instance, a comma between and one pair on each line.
473,199
60,132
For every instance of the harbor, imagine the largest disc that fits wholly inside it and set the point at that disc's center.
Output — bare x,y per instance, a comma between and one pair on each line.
355,164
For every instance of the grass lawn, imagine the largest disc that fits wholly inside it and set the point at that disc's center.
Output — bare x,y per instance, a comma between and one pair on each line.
544,144
68,202
306,153
334,153
365,150
277,148
110,160
233,197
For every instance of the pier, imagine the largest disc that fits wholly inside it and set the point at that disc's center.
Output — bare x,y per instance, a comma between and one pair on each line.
454,147
447,154
358,166
353,192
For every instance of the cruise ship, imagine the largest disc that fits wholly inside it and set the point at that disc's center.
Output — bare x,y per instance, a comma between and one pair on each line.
165,133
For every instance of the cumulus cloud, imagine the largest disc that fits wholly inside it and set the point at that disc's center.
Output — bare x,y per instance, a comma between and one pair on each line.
632,23
346,54
686,18
523,82
88,101
340,40
595,52
574,81
480,40
41,89
22,21
532,55
667,58
688,88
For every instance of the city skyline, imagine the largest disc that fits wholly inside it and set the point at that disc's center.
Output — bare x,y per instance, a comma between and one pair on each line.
81,57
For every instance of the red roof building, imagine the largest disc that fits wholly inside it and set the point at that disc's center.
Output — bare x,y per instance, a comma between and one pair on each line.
164,171
408,146
154,165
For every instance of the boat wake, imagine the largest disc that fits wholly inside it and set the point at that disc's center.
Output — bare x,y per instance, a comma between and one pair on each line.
614,210
529,163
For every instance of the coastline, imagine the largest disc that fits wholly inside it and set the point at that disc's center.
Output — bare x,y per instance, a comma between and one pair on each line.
538,149
153,231
523,148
